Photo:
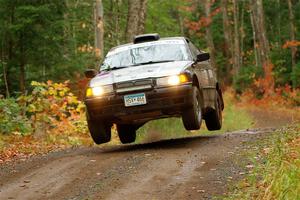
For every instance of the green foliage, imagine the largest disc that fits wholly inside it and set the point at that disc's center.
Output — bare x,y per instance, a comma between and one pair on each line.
246,77
296,74
12,119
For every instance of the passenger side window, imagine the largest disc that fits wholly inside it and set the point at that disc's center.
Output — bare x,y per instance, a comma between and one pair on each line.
195,50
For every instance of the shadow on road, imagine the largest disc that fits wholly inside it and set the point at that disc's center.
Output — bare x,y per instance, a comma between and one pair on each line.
162,144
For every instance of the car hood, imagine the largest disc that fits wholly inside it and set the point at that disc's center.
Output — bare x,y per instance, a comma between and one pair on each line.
140,72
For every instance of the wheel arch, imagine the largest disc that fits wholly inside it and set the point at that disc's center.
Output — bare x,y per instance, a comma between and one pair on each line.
197,84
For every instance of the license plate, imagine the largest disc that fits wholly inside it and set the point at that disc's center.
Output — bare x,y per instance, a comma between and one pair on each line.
135,99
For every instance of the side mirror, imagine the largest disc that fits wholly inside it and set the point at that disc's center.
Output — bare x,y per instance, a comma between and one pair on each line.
90,73
203,57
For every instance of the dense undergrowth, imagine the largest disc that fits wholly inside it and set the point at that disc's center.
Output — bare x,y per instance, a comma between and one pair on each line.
48,118
276,175
49,107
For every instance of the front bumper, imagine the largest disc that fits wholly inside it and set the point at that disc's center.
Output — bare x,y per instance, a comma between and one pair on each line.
161,102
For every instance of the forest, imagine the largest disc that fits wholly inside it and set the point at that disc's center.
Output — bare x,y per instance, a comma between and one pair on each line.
249,41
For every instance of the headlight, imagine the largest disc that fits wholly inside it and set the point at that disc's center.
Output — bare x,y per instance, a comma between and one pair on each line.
172,80
99,90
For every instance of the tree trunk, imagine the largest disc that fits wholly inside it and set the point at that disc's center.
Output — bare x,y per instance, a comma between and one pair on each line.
237,51
292,37
22,67
137,10
132,19
228,48
255,40
99,30
142,17
117,22
209,38
263,45
4,70
242,34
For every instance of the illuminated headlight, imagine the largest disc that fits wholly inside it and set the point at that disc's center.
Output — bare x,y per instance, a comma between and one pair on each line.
172,80
99,90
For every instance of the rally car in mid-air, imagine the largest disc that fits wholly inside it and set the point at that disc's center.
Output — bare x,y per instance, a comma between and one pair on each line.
149,79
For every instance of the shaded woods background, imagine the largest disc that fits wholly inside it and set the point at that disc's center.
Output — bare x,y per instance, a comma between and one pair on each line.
253,43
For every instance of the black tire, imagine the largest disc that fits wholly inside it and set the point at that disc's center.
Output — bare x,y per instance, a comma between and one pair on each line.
100,132
192,117
213,118
127,133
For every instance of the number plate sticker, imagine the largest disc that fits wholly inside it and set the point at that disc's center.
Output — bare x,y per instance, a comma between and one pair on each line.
135,99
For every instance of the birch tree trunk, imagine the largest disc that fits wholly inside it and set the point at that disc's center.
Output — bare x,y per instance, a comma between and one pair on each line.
255,39
292,37
262,44
209,38
99,29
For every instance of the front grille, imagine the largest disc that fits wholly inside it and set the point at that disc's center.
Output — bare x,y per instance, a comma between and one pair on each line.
135,85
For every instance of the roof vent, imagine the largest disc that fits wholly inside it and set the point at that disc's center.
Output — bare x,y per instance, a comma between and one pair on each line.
146,38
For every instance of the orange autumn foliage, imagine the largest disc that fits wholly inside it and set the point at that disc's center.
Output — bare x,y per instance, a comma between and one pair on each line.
292,43
265,85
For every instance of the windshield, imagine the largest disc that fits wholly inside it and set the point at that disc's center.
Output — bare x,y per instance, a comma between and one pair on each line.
144,53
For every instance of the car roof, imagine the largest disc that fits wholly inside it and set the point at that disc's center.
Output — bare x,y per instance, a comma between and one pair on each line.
161,39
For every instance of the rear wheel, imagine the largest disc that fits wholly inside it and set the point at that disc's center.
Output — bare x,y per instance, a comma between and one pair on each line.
127,133
213,119
192,117
100,132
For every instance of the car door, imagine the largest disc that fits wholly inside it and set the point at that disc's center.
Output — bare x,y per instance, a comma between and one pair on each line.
206,77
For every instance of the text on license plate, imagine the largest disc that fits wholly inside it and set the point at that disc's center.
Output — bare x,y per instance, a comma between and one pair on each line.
135,99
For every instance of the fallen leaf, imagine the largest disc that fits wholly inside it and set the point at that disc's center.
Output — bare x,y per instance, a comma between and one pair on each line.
249,166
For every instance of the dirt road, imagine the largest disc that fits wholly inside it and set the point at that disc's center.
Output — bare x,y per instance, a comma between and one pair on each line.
199,167
188,168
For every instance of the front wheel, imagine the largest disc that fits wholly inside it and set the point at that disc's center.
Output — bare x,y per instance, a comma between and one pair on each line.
192,117
213,119
127,133
100,132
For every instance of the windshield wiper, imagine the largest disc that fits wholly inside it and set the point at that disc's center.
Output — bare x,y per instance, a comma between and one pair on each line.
113,68
153,62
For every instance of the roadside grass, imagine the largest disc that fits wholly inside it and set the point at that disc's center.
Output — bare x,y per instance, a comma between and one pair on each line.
276,175
234,118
